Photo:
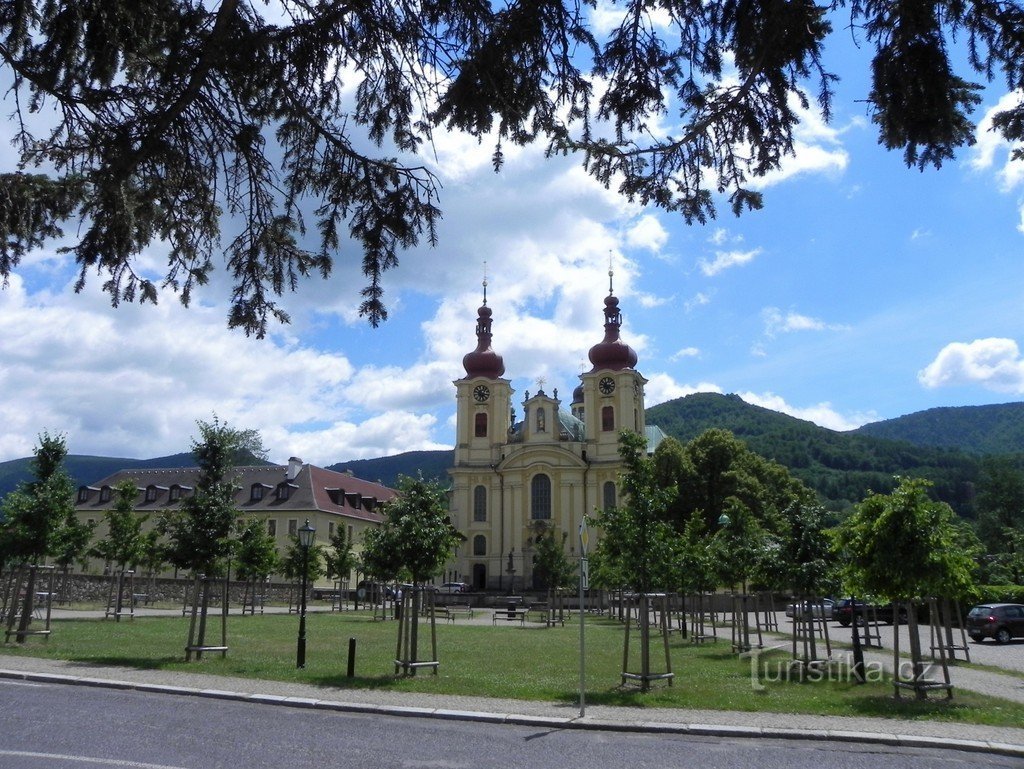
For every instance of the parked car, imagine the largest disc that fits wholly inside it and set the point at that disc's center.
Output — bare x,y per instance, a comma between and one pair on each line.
1001,621
453,587
367,590
823,609
843,612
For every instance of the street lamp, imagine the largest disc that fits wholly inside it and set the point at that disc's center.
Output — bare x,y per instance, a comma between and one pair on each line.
306,535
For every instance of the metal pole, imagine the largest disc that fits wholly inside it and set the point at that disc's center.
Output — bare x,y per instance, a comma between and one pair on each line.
583,655
301,654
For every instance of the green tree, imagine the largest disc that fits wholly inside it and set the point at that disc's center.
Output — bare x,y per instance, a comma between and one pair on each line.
199,531
256,555
170,114
551,566
340,560
906,547
416,538
123,544
294,558
35,514
1001,518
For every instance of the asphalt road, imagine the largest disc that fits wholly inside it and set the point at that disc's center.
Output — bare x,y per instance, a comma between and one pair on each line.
49,726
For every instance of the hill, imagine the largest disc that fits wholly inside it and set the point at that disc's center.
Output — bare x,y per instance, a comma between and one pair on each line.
995,429
385,470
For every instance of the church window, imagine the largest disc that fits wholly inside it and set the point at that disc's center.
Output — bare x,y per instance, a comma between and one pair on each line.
609,494
540,497
607,418
479,545
480,504
481,424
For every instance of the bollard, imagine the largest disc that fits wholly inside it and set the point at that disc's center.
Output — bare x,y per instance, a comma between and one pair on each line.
351,657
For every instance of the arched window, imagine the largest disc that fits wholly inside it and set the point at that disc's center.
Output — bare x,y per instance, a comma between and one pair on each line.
609,494
540,497
607,418
480,504
480,424
479,545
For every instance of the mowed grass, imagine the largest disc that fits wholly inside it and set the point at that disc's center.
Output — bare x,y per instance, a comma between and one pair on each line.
531,663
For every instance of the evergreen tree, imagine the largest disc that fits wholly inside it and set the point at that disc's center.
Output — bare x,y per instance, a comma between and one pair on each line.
169,114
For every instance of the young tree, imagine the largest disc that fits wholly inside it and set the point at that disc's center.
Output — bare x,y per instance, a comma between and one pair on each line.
552,567
199,531
124,541
71,545
906,547
34,515
256,555
292,563
179,111
340,560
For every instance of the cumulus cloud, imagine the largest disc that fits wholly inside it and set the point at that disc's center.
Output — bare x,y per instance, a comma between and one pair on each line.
725,259
662,387
822,414
993,363
777,322
686,352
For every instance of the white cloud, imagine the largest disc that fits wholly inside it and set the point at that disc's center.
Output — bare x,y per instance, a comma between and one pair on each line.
776,322
686,352
990,148
725,259
699,299
647,233
822,414
662,387
993,363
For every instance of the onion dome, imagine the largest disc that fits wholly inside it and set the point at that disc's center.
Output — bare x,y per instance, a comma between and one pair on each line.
577,394
483,361
612,353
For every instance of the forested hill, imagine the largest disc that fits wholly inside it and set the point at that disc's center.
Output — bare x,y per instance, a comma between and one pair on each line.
995,429
842,467
433,465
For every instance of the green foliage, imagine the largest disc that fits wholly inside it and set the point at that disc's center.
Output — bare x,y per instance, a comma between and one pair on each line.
72,542
416,538
806,561
256,554
294,560
33,516
154,552
199,531
697,558
638,544
340,560
993,429
123,544
905,546
551,565
999,594
182,112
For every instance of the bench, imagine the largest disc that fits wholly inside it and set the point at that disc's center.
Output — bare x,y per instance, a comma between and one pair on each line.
460,610
509,615
138,598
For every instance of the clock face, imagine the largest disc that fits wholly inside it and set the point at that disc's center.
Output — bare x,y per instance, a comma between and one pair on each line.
606,385
481,393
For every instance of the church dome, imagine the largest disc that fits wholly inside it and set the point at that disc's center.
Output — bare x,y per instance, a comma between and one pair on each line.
612,353
483,361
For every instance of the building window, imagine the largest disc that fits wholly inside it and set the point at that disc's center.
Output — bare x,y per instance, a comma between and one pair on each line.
541,426
283,492
609,494
272,527
83,494
330,529
349,533
105,494
479,504
480,425
174,493
293,527
479,545
256,492
540,497
607,418
151,493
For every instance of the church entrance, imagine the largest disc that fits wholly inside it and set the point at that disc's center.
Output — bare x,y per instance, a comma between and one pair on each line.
479,576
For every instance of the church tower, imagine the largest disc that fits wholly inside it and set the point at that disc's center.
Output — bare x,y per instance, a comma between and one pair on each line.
516,481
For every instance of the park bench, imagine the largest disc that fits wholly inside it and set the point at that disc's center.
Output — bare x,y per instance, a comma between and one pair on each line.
509,615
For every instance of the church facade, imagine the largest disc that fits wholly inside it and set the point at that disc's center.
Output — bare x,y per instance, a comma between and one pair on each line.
514,480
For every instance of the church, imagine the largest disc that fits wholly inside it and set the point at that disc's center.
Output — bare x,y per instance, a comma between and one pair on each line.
514,480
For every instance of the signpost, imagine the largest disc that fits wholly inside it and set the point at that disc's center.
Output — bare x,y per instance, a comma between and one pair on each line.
584,585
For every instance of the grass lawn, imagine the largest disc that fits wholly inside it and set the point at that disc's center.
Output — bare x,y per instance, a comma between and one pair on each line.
531,663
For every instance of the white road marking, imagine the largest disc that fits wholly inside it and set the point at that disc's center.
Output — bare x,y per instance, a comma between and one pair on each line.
87,759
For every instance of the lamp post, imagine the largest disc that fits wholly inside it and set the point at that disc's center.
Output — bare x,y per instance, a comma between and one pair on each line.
306,535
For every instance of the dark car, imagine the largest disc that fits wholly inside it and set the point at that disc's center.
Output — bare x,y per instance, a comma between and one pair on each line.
843,612
1001,621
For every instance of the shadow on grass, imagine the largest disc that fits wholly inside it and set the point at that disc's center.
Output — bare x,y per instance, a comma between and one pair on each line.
141,663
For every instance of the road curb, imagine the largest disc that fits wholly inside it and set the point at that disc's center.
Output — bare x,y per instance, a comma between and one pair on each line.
545,722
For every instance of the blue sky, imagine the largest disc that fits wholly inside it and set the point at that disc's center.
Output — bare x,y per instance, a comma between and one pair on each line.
863,291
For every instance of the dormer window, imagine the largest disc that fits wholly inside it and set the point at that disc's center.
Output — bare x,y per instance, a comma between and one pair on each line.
151,493
283,492
174,493
105,494
83,494
256,492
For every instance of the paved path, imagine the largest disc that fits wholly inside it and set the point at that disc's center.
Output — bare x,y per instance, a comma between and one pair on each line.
1009,685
